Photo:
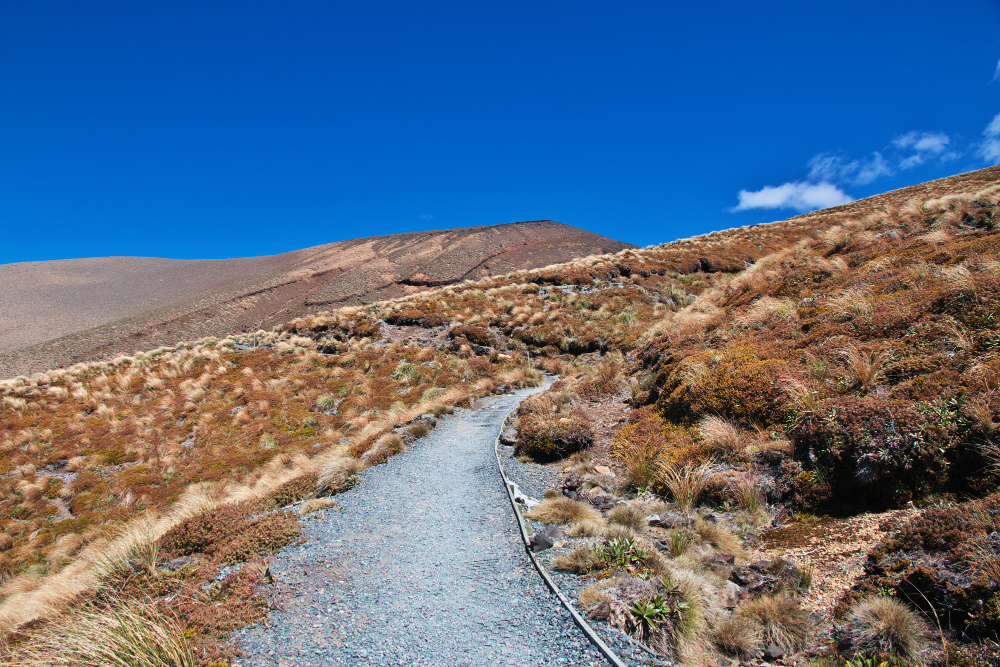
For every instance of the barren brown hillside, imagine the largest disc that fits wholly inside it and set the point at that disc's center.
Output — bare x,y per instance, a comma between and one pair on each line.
56,313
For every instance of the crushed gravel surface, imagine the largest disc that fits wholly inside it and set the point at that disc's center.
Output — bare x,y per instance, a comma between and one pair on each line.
421,564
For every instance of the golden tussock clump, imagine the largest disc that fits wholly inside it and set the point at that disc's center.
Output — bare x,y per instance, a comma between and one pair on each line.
563,511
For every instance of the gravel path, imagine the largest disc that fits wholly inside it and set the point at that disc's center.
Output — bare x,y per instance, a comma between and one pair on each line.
421,564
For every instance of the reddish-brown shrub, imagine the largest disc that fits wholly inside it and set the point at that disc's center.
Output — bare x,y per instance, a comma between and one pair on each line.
420,317
292,491
475,333
871,451
553,436
231,533
743,383
943,558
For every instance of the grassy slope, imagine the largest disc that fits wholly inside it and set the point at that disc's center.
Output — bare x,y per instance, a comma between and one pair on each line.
803,335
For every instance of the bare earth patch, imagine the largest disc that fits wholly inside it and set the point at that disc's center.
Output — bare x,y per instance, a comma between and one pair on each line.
835,549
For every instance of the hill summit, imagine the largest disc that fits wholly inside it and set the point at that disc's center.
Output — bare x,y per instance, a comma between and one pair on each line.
56,313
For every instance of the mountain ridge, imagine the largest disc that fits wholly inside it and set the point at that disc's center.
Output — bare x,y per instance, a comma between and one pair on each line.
64,311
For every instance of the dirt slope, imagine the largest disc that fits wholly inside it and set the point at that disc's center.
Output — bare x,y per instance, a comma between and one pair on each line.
60,312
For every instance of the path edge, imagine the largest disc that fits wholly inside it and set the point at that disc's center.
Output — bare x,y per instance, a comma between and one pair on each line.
580,621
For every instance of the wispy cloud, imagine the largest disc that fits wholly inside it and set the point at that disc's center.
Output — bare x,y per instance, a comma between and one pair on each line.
829,173
996,74
923,146
989,149
426,216
923,142
834,168
801,196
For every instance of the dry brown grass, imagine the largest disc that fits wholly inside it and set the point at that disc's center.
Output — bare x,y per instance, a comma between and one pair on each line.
593,599
580,561
685,482
337,475
316,504
804,398
627,515
885,625
563,511
585,528
120,632
724,436
737,636
778,619
851,304
718,537
865,368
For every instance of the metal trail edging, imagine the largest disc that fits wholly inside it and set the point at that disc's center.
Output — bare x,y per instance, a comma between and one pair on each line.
581,623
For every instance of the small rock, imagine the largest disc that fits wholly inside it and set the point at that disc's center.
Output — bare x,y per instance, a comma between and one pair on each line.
508,437
671,520
571,483
541,542
553,531
730,595
603,470
603,501
596,491
773,652
744,576
177,563
723,558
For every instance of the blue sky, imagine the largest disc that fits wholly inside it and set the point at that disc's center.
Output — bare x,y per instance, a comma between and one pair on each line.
223,129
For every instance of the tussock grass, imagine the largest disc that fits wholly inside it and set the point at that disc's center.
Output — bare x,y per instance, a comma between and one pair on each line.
717,536
585,528
778,619
748,492
135,550
886,625
563,511
627,515
737,635
685,483
579,561
337,475
121,633
865,368
724,436
316,504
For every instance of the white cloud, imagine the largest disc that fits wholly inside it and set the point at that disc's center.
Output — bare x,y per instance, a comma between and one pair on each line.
923,146
989,150
923,142
911,162
833,168
829,172
801,196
